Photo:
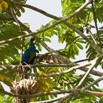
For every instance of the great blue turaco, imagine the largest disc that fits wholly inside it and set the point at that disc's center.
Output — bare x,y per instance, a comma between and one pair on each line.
29,55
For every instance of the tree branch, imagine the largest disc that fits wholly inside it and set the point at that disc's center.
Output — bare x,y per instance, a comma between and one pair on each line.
53,52
83,60
36,9
54,17
50,65
95,42
64,20
94,62
13,68
94,82
74,91
95,21
82,80
58,22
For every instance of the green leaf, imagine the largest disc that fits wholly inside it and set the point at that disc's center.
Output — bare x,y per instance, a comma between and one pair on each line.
47,40
79,45
22,10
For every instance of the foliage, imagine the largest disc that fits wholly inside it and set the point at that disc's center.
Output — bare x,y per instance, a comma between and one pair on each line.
14,39
6,99
3,4
46,84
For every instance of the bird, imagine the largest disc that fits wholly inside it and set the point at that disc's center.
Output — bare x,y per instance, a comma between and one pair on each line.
29,55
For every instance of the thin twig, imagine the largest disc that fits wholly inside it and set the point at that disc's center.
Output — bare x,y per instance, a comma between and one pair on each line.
58,22
93,83
71,94
83,60
95,21
93,63
52,92
14,68
16,20
51,74
95,42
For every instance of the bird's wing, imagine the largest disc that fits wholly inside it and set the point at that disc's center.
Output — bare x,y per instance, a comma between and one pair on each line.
25,56
32,56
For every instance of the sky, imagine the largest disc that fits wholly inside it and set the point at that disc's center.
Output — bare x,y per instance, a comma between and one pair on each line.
36,20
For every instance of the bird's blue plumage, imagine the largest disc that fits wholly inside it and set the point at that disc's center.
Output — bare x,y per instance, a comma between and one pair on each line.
30,54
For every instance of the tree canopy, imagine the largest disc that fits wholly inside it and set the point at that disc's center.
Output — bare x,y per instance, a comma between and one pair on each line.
54,76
